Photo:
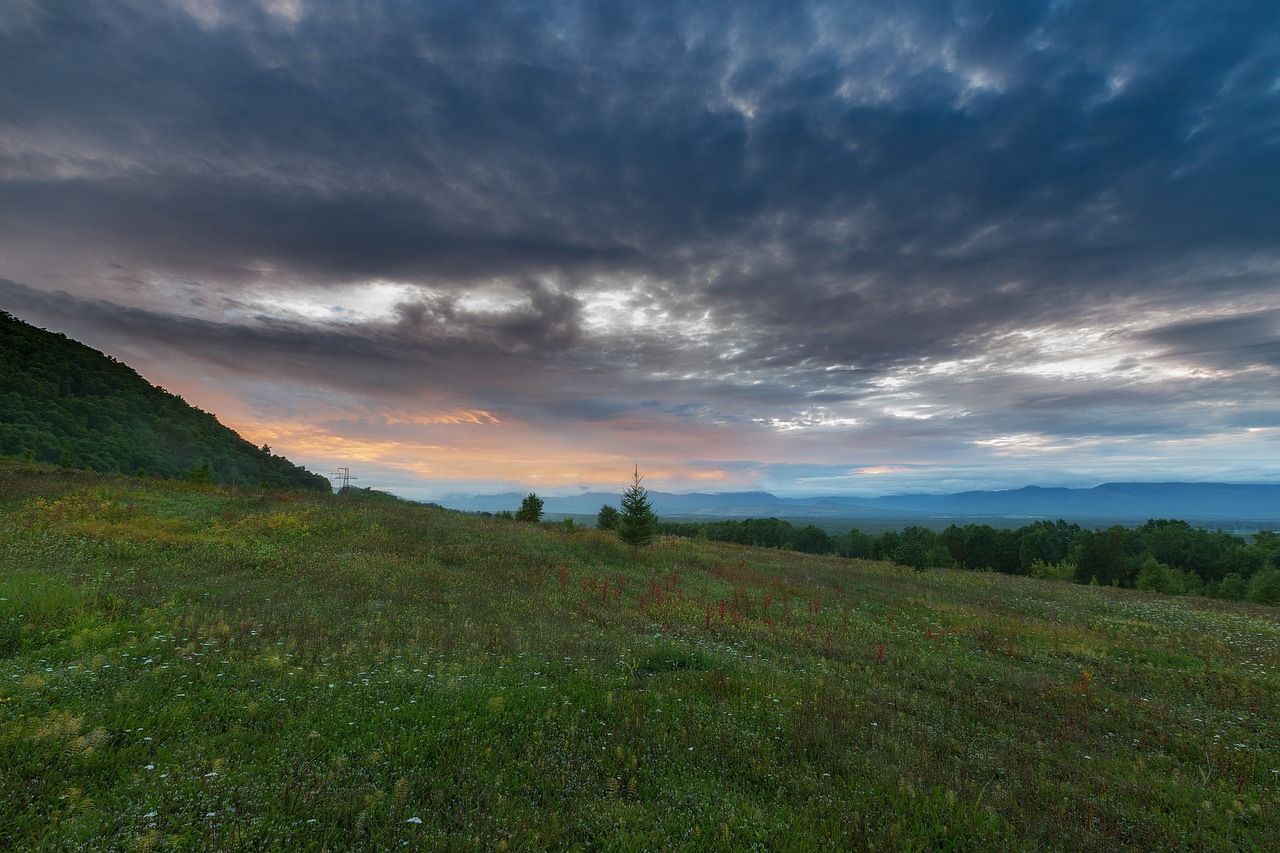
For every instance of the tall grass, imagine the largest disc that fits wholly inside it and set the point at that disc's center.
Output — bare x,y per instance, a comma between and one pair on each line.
205,668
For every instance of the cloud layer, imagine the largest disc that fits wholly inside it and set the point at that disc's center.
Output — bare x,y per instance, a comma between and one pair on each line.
811,247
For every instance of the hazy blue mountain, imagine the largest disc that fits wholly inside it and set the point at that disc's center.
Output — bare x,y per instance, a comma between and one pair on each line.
1150,500
1109,500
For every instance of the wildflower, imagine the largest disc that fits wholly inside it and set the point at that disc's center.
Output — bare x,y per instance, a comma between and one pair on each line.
414,820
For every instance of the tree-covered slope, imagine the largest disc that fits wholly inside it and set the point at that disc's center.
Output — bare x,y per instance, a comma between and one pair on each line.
61,401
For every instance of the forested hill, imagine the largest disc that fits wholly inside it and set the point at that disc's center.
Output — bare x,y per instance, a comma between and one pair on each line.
61,401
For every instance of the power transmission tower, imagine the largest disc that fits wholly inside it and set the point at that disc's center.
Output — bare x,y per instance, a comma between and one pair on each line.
343,475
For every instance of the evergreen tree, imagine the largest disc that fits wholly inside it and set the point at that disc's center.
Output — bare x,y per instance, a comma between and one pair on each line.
530,509
607,518
637,524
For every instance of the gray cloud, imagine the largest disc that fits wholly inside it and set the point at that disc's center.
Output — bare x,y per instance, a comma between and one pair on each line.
1234,342
731,213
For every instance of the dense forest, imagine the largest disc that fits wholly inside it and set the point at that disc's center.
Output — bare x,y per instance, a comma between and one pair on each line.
63,402
1160,556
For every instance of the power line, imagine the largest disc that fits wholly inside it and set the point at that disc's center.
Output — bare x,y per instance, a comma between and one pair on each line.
344,476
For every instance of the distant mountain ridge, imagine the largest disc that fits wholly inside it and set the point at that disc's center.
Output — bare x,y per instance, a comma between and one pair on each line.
1110,500
62,401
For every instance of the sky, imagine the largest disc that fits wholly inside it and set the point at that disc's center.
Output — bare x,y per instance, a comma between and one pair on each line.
810,248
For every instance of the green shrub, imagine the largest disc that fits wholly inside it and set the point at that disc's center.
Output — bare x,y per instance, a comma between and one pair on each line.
1233,587
1265,587
200,474
1063,571
1155,576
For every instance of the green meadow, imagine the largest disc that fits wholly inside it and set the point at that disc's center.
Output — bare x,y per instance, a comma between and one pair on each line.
212,668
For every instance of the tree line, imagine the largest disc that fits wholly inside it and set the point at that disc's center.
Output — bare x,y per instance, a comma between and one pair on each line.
1162,555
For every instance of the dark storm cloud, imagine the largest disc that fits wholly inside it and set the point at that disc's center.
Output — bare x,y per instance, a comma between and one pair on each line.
1230,342
801,201
398,141
442,139
189,222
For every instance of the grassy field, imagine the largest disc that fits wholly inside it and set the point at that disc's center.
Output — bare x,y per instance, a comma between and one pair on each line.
191,667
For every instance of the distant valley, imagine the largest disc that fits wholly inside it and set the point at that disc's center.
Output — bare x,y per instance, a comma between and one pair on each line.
1199,502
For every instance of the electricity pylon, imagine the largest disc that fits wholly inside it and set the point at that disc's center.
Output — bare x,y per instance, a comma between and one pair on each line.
343,475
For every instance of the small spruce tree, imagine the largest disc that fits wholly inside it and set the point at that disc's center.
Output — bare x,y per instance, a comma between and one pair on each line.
637,524
530,509
607,517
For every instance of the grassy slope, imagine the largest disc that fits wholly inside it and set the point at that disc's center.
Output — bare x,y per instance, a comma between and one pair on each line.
199,667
